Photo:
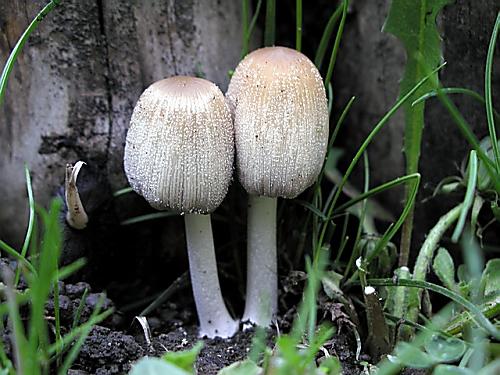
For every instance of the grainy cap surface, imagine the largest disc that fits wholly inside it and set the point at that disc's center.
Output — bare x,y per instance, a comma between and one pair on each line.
179,148
279,106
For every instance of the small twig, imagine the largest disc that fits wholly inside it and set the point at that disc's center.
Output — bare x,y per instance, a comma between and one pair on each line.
178,283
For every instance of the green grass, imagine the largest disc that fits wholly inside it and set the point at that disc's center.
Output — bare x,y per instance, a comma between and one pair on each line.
33,345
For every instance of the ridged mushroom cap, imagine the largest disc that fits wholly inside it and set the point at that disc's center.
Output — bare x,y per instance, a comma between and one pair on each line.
179,149
280,111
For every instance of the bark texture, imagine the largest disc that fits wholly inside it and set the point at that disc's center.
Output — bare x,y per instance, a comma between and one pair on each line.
72,91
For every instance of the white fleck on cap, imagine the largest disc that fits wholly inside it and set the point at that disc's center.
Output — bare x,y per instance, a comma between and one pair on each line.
280,111
179,149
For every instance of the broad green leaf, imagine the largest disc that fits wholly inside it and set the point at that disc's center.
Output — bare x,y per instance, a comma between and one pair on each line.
331,284
411,356
156,366
451,370
445,349
184,359
444,268
490,280
484,181
413,22
246,367
492,368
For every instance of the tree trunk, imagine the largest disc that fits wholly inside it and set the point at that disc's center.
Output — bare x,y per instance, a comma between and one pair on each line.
72,91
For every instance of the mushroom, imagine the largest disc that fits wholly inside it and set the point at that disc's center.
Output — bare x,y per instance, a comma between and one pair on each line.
280,112
179,155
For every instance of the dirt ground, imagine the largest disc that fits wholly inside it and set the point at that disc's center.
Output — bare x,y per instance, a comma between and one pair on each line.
117,343
114,345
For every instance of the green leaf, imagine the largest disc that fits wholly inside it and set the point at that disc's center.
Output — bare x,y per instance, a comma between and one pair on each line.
156,366
444,268
184,359
396,301
451,370
246,367
330,366
414,23
443,349
331,284
411,356
490,280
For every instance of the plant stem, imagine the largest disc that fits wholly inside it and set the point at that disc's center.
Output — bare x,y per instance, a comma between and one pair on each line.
214,318
262,279
270,26
298,25
425,256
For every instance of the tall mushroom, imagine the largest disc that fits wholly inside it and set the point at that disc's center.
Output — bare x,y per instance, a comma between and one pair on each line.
179,156
279,107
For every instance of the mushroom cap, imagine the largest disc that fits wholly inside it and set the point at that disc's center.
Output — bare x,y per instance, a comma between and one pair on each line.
179,149
280,111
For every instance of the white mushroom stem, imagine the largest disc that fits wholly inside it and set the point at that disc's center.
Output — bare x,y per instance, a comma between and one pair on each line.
76,217
262,269
214,318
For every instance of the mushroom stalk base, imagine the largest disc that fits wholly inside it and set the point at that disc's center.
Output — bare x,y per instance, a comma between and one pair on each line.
214,318
262,270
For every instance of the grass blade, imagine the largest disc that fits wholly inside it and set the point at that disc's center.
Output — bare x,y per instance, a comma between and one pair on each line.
123,191
469,196
77,332
245,25
333,56
20,345
31,221
251,27
41,286
14,254
325,38
487,92
70,358
379,189
270,26
298,25
79,310
20,44
147,217
333,137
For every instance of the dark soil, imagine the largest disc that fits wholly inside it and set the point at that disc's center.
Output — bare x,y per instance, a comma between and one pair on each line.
113,346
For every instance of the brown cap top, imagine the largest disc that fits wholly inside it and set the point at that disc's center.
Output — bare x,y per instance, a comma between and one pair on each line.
179,148
280,113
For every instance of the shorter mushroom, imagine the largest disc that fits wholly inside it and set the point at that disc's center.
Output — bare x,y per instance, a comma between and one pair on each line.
179,156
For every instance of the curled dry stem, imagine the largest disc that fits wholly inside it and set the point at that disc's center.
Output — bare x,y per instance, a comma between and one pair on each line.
76,217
